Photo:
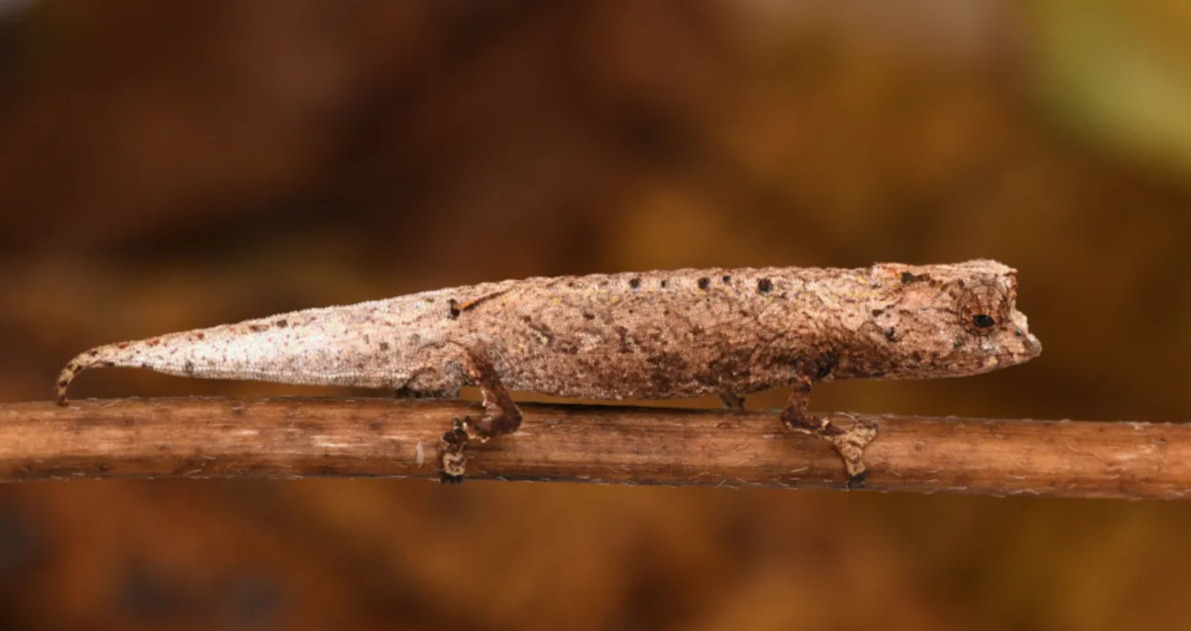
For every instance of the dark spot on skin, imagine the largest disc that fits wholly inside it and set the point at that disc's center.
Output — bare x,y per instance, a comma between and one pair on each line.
959,343
571,284
727,279
199,336
62,383
877,312
453,312
359,365
704,283
257,328
891,334
623,333
764,286
153,342
983,321
188,368
384,346
122,345
93,353
635,283
109,364
665,283
587,315
539,328
908,278
281,324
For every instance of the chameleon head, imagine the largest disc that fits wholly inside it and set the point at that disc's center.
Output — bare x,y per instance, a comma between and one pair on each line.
949,320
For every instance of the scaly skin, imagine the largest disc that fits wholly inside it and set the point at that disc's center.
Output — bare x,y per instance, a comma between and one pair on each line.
650,335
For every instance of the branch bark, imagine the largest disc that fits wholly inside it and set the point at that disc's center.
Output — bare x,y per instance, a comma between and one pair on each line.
198,438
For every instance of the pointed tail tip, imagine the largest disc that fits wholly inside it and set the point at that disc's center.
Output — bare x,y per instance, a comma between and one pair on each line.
69,372
64,379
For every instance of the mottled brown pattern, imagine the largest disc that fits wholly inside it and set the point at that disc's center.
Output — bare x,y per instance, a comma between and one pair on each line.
649,335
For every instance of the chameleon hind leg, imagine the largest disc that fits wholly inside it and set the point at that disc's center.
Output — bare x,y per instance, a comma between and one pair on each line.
500,417
849,443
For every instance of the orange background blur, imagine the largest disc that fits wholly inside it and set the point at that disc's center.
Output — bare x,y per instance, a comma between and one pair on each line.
171,165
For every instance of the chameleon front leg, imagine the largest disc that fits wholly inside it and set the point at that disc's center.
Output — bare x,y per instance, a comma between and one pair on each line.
849,443
732,402
500,417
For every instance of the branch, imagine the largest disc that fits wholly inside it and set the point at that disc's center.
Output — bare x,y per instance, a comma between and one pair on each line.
198,438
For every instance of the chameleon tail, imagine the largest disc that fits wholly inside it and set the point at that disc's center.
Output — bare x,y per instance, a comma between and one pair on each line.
173,353
107,356
286,348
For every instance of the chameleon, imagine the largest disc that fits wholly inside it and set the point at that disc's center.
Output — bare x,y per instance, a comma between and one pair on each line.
646,335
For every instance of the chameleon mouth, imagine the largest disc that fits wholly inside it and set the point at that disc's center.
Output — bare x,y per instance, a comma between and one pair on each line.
1025,346
1032,345
1019,348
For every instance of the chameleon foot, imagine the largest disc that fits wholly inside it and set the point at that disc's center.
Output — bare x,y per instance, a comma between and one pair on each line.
450,446
850,444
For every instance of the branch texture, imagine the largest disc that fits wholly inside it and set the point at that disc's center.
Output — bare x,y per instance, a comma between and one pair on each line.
292,437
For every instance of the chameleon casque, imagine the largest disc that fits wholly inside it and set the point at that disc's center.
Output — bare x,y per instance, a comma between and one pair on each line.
648,335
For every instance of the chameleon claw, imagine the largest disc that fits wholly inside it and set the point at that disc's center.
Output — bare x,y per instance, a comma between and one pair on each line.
450,446
850,445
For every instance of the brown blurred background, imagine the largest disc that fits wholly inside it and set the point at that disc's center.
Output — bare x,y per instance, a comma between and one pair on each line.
170,165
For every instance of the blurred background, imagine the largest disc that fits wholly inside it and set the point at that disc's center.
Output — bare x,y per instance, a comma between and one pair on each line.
170,165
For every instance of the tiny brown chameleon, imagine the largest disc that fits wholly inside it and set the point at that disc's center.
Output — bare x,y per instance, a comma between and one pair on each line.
648,335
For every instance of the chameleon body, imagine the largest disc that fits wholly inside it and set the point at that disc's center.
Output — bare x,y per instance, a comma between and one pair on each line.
649,335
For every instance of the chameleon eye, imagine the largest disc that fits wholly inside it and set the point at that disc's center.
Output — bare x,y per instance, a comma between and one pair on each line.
981,308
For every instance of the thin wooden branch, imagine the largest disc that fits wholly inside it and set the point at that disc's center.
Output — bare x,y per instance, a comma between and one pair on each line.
198,438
